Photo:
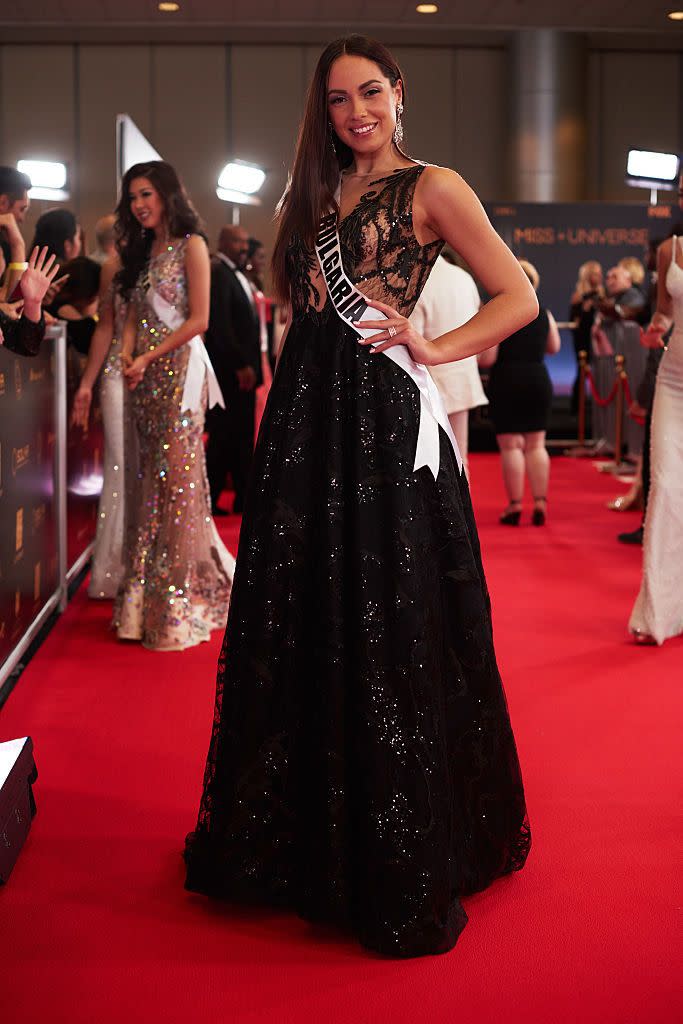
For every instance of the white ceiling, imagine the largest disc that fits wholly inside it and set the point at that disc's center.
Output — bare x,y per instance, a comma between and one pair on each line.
359,15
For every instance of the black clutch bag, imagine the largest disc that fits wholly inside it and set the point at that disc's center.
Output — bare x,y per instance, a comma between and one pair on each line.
17,805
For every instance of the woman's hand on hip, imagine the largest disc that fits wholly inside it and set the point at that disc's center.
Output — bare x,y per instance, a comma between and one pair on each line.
395,330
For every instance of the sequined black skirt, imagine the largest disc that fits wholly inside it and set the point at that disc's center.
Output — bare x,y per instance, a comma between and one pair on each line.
362,767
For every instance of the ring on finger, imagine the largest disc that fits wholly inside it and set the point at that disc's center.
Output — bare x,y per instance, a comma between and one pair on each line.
391,331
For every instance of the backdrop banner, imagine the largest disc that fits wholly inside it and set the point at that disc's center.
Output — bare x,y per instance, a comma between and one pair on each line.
28,530
29,511
558,237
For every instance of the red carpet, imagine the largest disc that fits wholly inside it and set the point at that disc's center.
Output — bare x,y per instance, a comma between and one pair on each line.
95,926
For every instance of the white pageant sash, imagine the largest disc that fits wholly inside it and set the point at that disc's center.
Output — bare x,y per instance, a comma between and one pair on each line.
198,363
351,305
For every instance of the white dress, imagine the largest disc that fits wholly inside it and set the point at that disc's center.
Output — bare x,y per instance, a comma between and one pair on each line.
107,563
658,610
448,300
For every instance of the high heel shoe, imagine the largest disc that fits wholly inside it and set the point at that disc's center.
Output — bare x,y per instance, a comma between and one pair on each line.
642,638
633,501
538,514
511,516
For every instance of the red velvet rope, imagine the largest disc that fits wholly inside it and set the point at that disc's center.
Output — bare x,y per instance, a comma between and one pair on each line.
602,402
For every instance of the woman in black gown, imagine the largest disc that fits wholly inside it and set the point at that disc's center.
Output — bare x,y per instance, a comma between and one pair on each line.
362,767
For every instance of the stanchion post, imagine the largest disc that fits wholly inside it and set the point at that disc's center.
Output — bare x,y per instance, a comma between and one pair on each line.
619,411
61,441
583,359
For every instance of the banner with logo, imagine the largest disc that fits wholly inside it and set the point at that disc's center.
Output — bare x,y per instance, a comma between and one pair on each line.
29,569
558,237
28,529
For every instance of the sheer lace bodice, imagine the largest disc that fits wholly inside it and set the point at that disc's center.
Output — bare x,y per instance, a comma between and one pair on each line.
380,252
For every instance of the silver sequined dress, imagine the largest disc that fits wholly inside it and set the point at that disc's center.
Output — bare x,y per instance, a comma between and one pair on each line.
107,563
178,573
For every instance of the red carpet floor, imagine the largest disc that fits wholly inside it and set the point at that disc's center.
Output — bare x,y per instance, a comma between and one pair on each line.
94,923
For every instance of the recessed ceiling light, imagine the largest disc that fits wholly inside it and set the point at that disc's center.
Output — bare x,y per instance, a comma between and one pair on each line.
168,8
427,8
675,15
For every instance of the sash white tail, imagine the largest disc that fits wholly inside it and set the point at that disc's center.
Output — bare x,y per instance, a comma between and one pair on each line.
198,363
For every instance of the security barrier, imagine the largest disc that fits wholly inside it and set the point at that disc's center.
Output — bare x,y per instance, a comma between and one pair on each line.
49,487
619,394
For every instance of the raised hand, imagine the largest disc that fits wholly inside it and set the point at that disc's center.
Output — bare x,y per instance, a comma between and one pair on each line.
41,272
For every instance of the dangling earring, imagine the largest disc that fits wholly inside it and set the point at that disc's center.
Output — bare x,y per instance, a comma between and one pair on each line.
398,130
330,134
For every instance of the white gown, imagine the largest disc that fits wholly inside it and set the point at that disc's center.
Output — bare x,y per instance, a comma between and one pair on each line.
107,563
658,610
448,300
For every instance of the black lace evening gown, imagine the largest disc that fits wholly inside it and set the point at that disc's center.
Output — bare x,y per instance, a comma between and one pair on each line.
362,767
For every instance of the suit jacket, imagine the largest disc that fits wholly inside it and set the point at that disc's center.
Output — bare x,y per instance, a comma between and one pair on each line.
232,337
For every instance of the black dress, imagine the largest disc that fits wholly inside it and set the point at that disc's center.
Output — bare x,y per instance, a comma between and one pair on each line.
520,391
362,767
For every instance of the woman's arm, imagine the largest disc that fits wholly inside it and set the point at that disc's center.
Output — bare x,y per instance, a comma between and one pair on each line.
446,207
129,335
198,271
663,315
454,213
20,335
99,346
554,341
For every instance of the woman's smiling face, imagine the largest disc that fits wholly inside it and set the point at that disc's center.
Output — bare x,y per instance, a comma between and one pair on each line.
146,204
362,103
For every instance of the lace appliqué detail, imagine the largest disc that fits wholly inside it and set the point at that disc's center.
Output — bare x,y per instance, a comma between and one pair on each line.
380,252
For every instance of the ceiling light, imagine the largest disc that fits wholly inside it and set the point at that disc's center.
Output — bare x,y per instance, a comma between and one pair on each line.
645,165
48,179
645,169
44,173
168,8
675,15
238,176
427,8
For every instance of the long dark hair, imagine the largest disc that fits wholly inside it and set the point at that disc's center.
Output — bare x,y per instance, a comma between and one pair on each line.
54,228
320,154
133,242
83,284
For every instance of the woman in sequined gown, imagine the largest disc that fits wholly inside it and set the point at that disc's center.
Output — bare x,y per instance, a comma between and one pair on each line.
178,573
105,350
362,767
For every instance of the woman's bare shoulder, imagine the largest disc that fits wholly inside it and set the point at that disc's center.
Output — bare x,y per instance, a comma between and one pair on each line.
444,189
665,249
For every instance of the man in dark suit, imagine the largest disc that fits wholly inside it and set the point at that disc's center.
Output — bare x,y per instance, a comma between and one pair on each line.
233,344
